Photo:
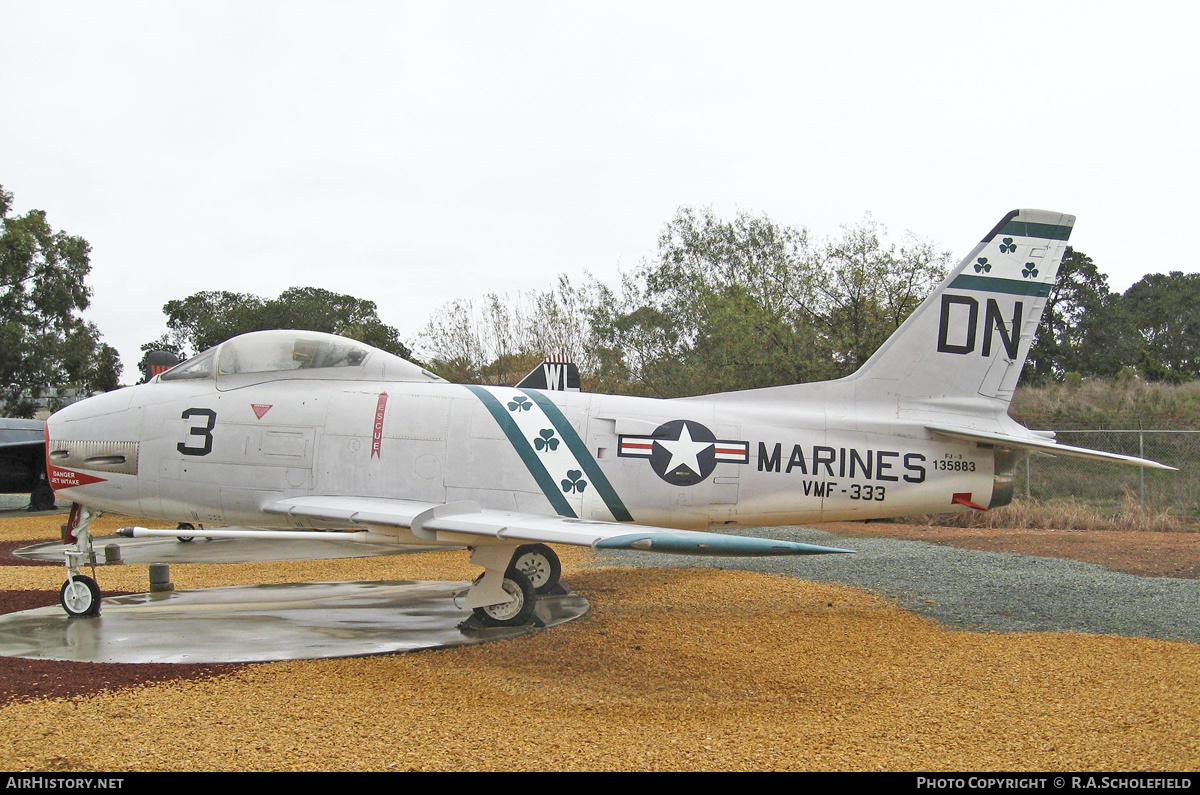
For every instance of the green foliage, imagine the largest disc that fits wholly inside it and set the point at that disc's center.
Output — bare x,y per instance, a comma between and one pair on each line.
205,319
44,343
1164,308
724,305
870,288
743,303
746,303
1084,328
498,339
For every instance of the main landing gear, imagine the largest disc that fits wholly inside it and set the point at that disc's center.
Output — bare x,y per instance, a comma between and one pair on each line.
42,497
540,564
79,595
505,595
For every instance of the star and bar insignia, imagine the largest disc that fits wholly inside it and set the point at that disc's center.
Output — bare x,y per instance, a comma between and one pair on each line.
683,452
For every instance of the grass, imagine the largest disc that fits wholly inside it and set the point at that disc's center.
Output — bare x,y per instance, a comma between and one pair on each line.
1108,403
1065,514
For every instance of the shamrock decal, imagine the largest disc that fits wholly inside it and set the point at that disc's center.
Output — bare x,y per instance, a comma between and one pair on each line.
1029,271
982,266
545,440
1008,247
520,403
574,482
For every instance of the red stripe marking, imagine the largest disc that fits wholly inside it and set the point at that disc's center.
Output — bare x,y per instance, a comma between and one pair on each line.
377,429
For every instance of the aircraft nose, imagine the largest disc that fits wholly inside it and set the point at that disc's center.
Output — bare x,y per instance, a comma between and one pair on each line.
89,440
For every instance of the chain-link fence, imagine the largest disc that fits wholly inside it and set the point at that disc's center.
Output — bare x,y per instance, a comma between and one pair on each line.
1109,485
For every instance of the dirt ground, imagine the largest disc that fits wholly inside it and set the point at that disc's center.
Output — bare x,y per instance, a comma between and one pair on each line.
671,670
1148,554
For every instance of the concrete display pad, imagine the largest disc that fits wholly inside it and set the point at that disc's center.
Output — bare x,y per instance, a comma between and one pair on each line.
220,550
260,623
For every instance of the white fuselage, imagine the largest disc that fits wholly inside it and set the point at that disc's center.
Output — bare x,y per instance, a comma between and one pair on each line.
188,451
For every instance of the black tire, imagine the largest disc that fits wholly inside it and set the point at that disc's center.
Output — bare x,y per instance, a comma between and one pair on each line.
185,539
511,614
42,498
80,596
540,564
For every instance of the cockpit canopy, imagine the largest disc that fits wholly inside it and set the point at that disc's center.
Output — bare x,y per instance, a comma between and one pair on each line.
289,354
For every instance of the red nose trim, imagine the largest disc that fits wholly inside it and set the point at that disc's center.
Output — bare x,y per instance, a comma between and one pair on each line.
46,451
964,498
68,478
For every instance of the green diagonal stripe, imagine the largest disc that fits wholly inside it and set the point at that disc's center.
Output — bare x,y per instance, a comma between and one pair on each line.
615,506
992,284
521,445
1030,229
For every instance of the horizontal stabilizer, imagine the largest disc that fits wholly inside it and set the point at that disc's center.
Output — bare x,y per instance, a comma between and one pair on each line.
1041,446
428,520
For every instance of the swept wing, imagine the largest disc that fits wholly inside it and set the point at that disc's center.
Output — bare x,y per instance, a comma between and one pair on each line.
433,522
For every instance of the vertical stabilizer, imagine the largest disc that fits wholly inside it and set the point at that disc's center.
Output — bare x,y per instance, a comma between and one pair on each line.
970,337
557,372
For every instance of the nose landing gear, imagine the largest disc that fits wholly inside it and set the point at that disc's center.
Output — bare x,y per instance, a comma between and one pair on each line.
80,595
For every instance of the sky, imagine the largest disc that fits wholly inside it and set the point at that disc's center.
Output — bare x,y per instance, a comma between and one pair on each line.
412,153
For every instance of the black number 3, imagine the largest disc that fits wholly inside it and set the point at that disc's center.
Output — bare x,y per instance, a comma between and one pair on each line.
204,433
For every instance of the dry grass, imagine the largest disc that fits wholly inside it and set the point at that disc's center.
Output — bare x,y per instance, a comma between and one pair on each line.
1064,514
1108,403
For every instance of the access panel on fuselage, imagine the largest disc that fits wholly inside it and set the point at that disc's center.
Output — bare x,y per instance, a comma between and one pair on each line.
386,440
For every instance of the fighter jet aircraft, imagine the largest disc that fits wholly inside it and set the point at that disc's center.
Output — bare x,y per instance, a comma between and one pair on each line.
23,461
297,432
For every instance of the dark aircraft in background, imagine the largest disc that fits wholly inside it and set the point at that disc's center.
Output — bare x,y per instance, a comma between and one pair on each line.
23,461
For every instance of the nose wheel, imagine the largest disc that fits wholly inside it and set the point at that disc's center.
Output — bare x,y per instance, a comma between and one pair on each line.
80,596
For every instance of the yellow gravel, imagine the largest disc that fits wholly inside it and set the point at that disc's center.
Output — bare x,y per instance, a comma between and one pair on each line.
672,670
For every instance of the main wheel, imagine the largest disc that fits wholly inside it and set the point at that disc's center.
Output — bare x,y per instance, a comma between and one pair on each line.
80,596
515,613
185,539
540,564
42,497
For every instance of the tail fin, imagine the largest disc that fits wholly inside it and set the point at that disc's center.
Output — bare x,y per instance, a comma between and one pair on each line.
157,363
557,372
970,337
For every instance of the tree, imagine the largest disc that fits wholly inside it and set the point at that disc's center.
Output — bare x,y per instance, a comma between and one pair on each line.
1084,327
870,287
724,305
1164,308
44,342
205,319
748,303
499,338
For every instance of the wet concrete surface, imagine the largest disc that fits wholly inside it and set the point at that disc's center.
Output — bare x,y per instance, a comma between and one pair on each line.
18,505
259,623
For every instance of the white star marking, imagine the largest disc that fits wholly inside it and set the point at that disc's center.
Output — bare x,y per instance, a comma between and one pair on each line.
684,451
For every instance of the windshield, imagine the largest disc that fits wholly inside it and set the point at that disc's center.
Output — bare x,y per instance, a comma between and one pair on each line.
199,366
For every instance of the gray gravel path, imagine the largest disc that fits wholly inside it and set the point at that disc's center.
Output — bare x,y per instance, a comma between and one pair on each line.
982,591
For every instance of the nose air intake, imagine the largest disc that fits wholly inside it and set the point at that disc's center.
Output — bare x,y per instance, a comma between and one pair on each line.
119,457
